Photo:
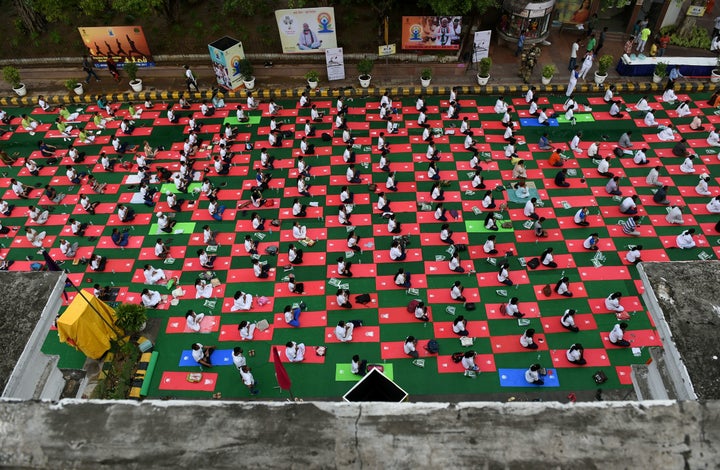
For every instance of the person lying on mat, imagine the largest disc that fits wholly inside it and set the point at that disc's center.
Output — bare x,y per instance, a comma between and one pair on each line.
295,352
193,320
202,354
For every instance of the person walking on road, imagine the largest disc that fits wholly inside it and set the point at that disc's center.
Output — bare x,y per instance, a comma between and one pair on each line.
88,67
190,79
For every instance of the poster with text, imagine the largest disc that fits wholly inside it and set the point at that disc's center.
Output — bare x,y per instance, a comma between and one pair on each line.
481,45
122,43
335,63
431,32
306,30
226,54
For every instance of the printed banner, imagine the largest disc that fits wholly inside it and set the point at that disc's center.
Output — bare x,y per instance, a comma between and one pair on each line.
481,45
226,54
306,30
122,43
572,11
431,32
335,63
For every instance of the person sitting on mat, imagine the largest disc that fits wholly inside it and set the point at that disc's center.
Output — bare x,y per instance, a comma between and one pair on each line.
568,320
295,255
342,298
532,375
456,291
97,263
357,366
292,315
410,347
402,278
512,308
460,326
247,330
206,261
503,275
343,267
202,354
150,298
165,224
241,301
397,252
421,312
344,330
152,275
193,320
575,354
616,335
527,341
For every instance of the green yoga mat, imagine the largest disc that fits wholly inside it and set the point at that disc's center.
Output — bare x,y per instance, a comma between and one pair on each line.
478,226
171,187
233,121
343,373
578,118
186,227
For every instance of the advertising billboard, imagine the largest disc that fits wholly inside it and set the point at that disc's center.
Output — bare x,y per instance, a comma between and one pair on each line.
431,32
226,54
122,43
306,30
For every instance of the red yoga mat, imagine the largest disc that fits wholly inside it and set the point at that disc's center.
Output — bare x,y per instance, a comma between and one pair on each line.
310,288
307,320
178,381
228,303
594,358
576,246
489,279
445,364
399,315
577,289
442,296
231,333
331,302
179,325
584,321
310,356
624,374
637,339
361,334
309,258
603,273
394,350
358,270
221,263
530,309
476,328
511,344
631,303
418,281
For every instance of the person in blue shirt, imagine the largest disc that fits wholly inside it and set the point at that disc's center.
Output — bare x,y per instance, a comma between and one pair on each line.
673,77
520,43
544,143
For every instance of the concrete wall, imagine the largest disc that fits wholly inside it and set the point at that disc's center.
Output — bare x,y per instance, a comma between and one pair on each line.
179,434
35,374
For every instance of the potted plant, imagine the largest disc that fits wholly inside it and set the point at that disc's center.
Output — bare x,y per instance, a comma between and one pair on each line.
74,85
547,73
131,69
604,64
312,78
425,77
246,70
659,72
365,67
483,74
12,76
132,318
715,73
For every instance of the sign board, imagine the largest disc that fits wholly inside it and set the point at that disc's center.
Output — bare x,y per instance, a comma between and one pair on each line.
226,54
387,49
122,43
335,63
481,45
431,32
696,10
306,30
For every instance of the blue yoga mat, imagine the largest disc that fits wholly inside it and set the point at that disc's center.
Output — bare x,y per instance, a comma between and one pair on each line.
219,357
533,122
516,378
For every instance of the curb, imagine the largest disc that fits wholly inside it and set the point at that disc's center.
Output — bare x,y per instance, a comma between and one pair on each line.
685,87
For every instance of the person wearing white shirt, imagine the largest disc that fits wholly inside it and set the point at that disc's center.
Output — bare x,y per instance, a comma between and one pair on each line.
612,302
642,104
347,136
666,134
422,120
503,275
653,177
250,101
392,225
410,347
575,354
470,142
634,255
604,167
299,231
617,333
640,158
568,320
508,132
714,205
477,180
456,291
384,113
533,111
563,287
530,94
675,216
489,246
295,256
683,109
340,121
512,309
193,320
343,217
529,209
452,111
532,375
543,117
203,289
340,106
420,103
238,359
298,209
344,331
615,110
67,249
687,165
593,150
609,93
649,119
150,298
295,352
713,138
248,379
241,302
685,241
669,96
575,143
454,264
250,245
591,242
468,362
396,252
628,205
527,341
500,105
351,175
702,186
302,186
506,117
247,330
152,275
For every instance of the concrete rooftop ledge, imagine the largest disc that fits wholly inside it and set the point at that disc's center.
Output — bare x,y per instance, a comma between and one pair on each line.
92,434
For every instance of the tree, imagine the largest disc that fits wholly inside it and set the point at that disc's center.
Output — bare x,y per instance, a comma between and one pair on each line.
31,19
458,7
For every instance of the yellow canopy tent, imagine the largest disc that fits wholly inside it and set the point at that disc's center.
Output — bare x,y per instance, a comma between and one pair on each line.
86,328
